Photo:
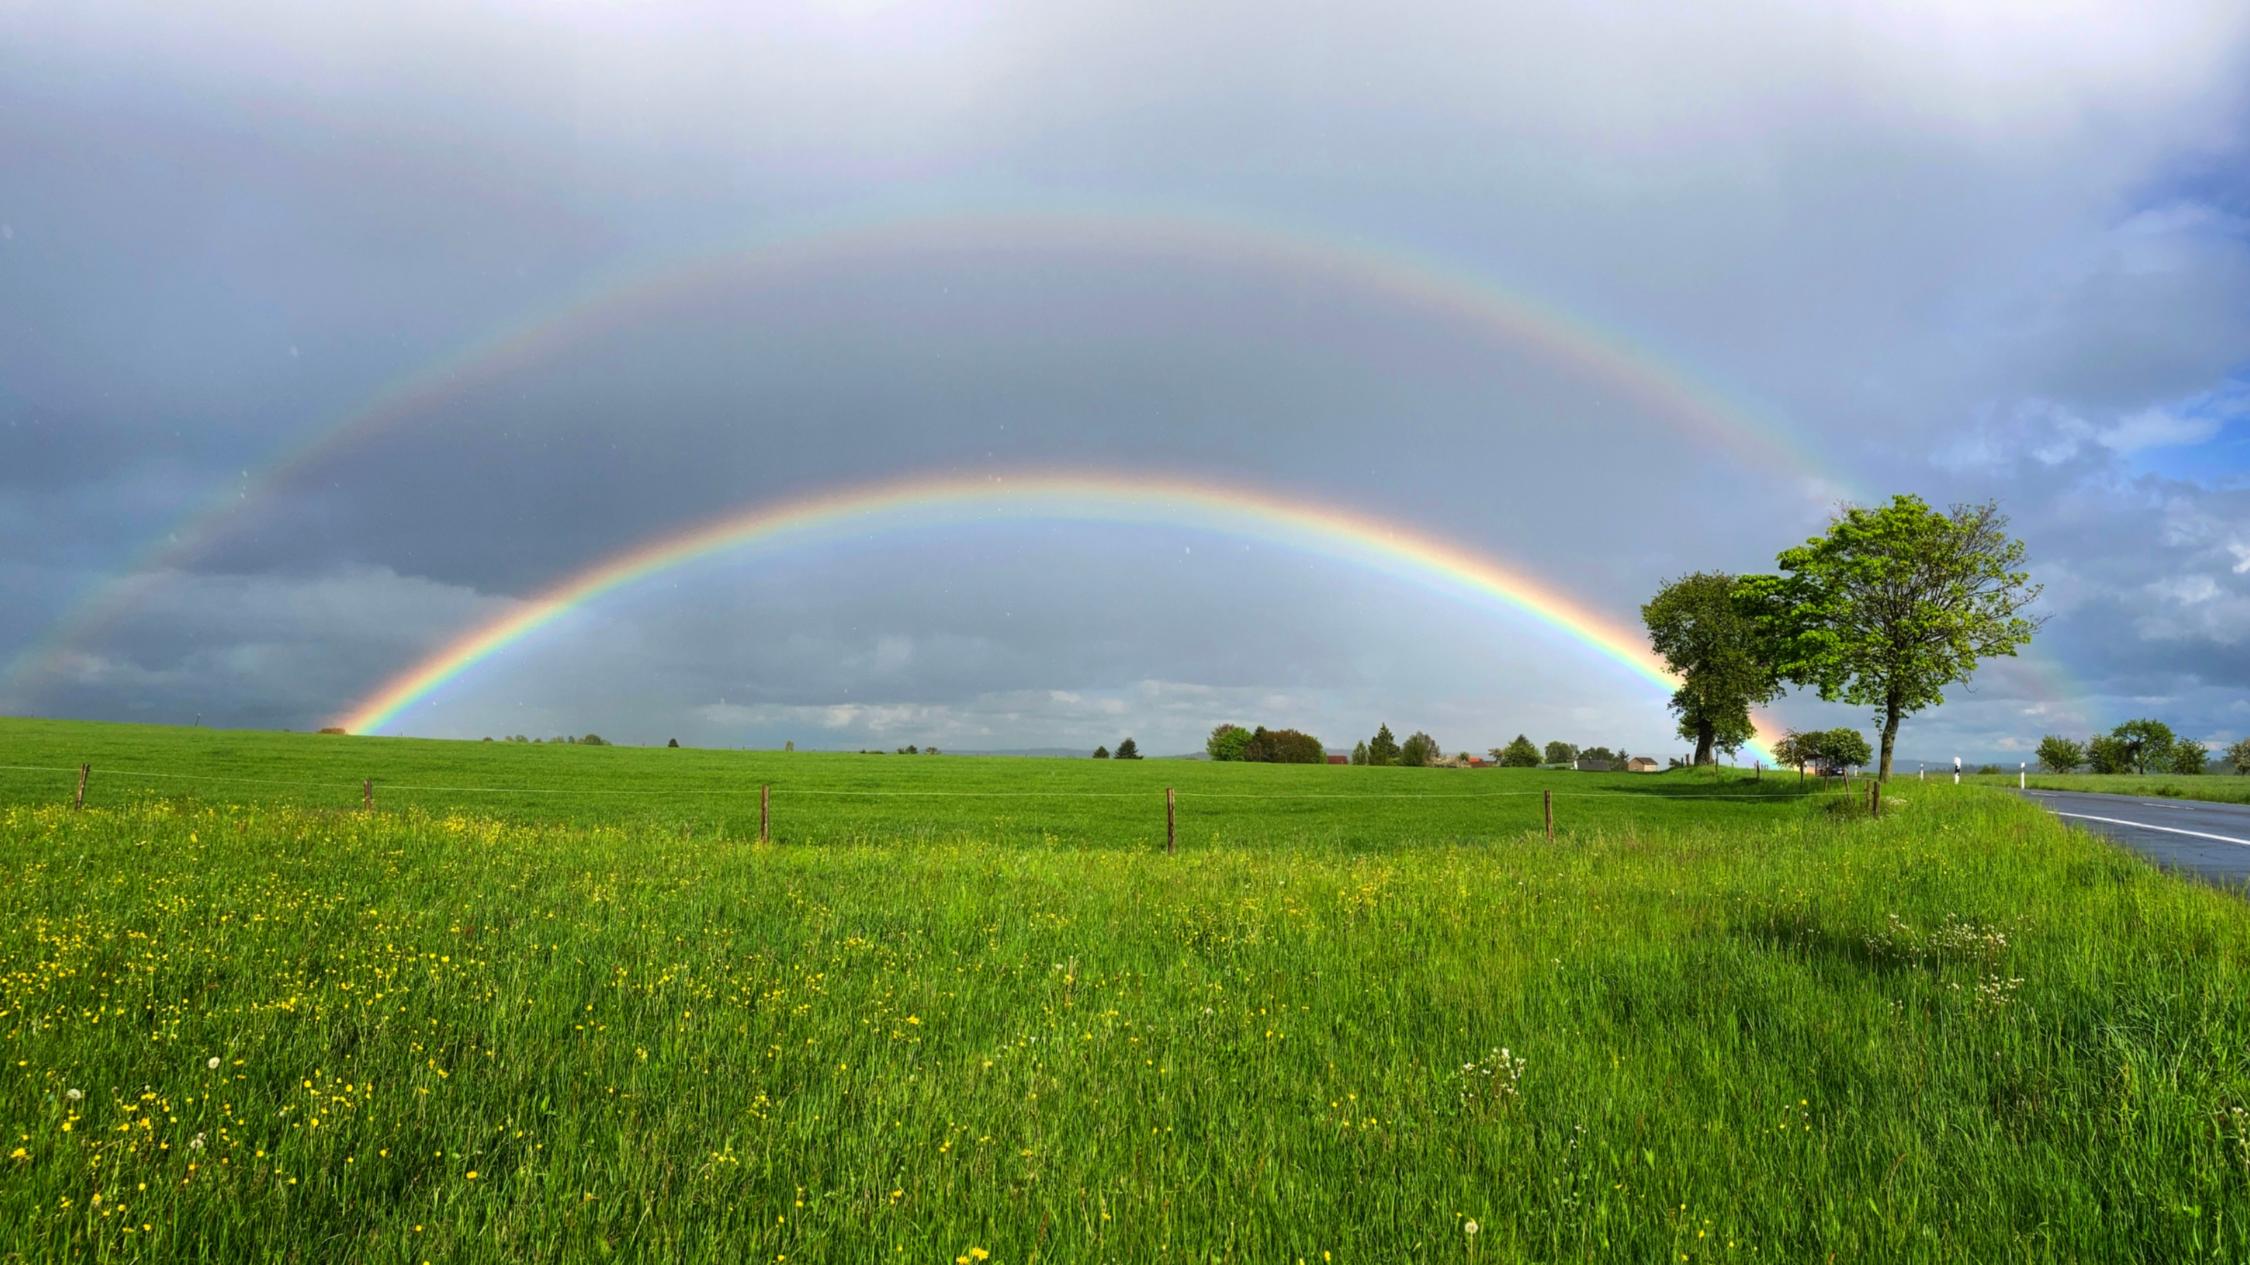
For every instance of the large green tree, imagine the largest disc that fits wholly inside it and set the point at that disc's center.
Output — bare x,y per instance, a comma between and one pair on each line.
1894,604
1707,635
2147,744
2238,755
1561,753
1128,750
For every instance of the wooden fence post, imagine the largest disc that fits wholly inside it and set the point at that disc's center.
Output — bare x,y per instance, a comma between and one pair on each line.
1547,804
80,800
367,795
765,812
1171,821
1875,799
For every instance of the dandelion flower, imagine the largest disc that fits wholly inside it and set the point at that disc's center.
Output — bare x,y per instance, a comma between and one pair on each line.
212,1063
1468,1227
472,1175
74,1094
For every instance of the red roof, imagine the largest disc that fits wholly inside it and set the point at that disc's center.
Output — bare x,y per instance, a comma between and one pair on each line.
1339,759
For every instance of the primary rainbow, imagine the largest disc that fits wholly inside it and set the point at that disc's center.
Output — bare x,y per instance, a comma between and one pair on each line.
1321,529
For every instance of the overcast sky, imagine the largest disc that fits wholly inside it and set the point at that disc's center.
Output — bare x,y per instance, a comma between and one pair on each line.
1967,251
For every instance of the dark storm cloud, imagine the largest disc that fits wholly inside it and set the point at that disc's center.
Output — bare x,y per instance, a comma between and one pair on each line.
1971,254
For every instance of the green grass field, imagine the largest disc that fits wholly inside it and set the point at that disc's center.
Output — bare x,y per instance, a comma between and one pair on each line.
2221,788
828,799
245,1021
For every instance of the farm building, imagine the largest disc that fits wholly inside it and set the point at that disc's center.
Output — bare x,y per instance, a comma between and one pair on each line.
1587,764
1333,758
1643,764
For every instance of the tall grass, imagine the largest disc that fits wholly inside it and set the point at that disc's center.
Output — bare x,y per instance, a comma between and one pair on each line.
1960,1033
2221,788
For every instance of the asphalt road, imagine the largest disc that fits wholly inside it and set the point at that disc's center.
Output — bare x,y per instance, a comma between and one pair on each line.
2209,841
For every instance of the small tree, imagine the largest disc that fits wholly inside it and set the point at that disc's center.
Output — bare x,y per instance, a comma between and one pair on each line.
1359,753
1561,753
1708,637
790,745
1894,604
2058,754
1284,746
1519,754
2189,757
1847,748
2106,753
1382,748
2238,755
1791,752
669,742
2148,744
1419,751
1128,750
1226,742
1101,753
1823,748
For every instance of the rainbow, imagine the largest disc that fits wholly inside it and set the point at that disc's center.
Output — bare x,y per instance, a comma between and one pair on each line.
1418,281
1240,511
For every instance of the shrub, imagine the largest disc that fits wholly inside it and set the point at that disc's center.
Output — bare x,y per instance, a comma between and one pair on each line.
1419,751
2058,754
1283,746
1227,742
1519,754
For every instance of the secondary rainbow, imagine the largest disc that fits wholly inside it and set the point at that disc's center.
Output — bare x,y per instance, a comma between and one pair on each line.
1418,281
1246,512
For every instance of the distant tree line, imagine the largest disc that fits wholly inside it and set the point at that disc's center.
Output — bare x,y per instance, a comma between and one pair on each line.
2137,746
589,740
1126,750
1232,742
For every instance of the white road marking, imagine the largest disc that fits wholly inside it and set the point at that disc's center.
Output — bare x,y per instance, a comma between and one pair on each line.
2142,825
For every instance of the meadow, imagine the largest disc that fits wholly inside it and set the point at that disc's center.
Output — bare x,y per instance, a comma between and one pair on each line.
250,1022
2218,788
824,798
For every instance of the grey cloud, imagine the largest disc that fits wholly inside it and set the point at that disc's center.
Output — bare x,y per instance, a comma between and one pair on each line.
1969,253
